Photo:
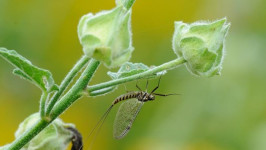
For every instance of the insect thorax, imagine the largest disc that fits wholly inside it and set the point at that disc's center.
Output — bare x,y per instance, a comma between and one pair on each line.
145,96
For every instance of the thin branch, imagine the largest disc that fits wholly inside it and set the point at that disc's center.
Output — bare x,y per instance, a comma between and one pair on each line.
67,80
166,66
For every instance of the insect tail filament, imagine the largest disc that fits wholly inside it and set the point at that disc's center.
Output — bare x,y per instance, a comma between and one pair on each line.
100,122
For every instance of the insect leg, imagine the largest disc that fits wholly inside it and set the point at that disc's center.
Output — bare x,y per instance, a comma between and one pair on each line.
147,85
138,86
126,89
156,86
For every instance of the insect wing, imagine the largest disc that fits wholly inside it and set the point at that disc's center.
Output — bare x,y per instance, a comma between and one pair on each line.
125,117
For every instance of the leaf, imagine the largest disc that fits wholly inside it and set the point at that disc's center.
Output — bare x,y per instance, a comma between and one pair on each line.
129,69
40,77
125,117
21,74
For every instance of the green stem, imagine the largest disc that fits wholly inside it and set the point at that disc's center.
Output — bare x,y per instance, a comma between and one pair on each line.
27,136
166,66
70,97
76,91
102,91
42,104
64,84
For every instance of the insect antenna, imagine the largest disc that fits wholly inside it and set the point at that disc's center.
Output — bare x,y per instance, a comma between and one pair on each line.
100,122
164,94
152,92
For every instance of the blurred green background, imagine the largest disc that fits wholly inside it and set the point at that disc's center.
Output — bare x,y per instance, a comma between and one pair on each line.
226,112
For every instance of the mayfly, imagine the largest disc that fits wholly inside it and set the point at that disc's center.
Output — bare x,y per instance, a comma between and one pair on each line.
128,110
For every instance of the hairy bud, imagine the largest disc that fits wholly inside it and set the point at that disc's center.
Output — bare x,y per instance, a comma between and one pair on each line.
201,44
106,36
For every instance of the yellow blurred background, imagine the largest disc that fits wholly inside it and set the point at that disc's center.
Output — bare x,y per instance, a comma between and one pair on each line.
226,112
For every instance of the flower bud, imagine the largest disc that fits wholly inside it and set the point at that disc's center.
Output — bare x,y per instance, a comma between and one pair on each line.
201,44
106,36
55,136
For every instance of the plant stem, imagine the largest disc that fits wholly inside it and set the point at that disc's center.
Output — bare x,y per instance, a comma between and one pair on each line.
166,66
28,135
76,91
64,84
69,98
102,91
42,103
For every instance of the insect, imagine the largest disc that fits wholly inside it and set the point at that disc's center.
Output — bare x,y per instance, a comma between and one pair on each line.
128,110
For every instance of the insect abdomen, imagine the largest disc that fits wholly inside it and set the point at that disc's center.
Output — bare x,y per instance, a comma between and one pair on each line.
126,96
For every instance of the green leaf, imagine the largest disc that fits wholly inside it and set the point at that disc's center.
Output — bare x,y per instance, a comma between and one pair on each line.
40,77
129,69
21,74
126,3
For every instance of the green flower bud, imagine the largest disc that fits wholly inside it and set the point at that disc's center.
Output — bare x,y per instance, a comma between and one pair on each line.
106,36
201,44
55,136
